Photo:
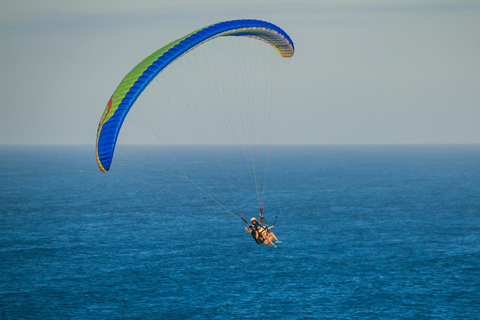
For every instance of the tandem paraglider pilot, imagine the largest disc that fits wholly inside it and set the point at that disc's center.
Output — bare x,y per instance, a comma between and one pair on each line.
261,234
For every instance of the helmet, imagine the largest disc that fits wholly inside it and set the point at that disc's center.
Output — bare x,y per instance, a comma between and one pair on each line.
253,219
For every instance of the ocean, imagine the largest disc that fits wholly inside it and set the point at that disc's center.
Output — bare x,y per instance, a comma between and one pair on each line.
368,232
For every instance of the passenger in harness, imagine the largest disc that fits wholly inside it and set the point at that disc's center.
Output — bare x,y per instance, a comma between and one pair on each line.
261,234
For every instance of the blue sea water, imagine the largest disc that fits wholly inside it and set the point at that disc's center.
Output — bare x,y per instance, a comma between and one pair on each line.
368,232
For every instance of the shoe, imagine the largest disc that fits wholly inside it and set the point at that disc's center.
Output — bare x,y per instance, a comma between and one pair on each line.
274,245
279,241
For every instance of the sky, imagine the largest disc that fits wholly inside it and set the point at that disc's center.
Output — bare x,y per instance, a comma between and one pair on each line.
364,72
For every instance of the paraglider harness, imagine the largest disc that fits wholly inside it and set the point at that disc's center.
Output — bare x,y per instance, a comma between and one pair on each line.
259,232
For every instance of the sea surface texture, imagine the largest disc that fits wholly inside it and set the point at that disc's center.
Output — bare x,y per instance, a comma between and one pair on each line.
368,232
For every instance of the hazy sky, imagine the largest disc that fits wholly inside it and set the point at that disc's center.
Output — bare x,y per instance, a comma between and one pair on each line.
363,72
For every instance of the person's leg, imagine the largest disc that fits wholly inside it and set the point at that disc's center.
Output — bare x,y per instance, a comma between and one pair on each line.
273,236
269,239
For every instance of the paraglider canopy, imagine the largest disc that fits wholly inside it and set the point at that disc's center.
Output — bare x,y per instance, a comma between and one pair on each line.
139,78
